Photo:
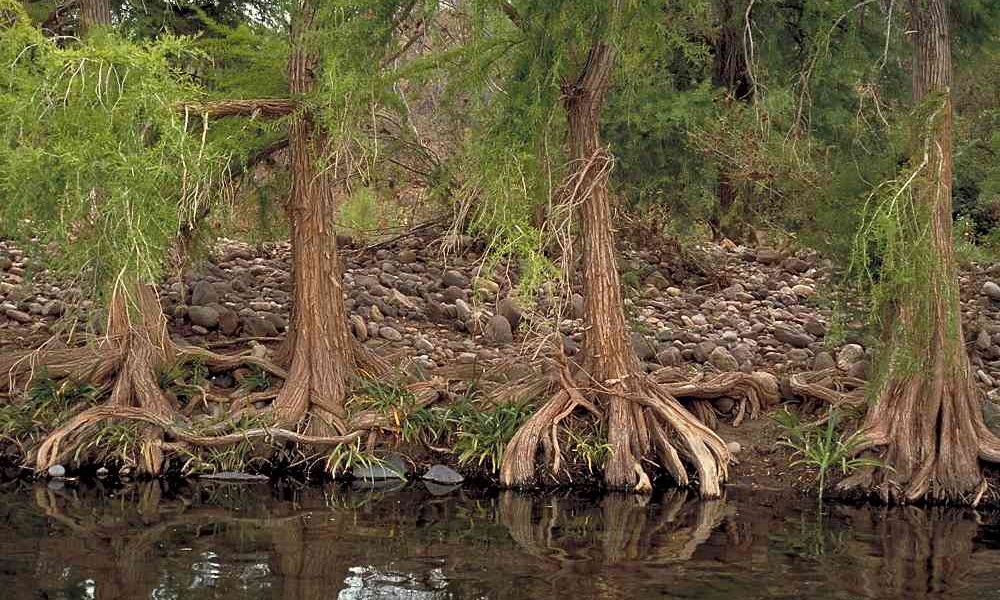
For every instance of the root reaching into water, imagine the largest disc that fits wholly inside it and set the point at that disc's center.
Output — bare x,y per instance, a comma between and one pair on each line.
644,422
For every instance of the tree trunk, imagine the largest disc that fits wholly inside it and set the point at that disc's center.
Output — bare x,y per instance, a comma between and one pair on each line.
928,415
322,358
609,357
94,13
641,416
730,74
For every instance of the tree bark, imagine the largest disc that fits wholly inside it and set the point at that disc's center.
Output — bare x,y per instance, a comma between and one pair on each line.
322,358
642,417
94,13
928,417
730,74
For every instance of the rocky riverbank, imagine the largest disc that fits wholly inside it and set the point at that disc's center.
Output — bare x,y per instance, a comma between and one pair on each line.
750,309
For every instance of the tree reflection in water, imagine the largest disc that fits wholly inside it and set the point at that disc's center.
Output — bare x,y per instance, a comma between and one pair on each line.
222,541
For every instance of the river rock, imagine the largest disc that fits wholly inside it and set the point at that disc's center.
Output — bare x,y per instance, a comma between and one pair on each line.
992,290
791,337
500,330
443,474
57,471
390,333
669,357
642,348
255,326
205,316
203,293
721,359
823,360
509,308
17,315
393,467
454,278
849,355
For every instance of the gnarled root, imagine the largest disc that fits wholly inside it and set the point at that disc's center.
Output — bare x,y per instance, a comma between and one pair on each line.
931,435
754,392
831,387
179,435
644,421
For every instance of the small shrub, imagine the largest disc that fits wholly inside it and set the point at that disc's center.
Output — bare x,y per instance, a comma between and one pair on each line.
822,447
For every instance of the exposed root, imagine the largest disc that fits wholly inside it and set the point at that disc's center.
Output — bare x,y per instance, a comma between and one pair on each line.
180,435
644,421
753,392
831,387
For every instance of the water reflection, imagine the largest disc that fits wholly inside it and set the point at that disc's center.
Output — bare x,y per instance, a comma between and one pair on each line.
226,541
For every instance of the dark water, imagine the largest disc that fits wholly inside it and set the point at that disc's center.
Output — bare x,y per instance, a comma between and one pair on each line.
259,541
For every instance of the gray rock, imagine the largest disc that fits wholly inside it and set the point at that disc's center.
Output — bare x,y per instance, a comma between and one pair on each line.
57,471
500,330
859,370
443,474
642,348
984,340
453,293
822,361
102,472
795,265
815,328
5,263
203,293
229,321
724,405
791,337
703,350
255,326
422,344
390,334
721,359
767,256
406,256
16,315
205,316
669,357
848,355
991,290
509,308
991,415
454,278
570,347
392,467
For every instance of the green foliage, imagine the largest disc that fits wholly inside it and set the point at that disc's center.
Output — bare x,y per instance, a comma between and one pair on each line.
94,155
112,441
47,405
257,381
590,446
823,448
482,433
345,457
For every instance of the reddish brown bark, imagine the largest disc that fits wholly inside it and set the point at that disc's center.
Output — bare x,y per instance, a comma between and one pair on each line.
928,418
320,344
643,418
94,13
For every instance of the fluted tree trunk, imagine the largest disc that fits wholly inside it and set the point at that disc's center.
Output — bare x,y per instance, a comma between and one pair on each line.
927,418
319,344
643,419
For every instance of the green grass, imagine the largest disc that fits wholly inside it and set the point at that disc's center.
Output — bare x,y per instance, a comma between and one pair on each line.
45,406
822,447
